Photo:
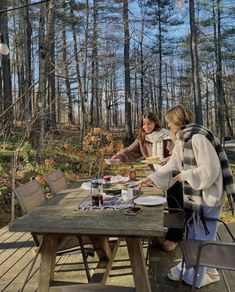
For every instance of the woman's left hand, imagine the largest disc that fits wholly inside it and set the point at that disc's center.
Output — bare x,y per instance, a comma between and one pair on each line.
178,177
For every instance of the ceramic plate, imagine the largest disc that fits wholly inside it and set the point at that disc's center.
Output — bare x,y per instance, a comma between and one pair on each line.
150,200
111,161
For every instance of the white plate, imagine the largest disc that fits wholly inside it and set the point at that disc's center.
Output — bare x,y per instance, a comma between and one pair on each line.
111,161
150,200
145,161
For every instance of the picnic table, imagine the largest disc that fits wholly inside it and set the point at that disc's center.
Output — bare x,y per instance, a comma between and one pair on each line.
60,217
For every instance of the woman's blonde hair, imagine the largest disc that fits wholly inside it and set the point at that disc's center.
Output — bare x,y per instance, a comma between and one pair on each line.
179,116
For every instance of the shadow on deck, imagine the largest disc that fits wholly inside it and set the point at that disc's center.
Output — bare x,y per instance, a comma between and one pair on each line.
16,254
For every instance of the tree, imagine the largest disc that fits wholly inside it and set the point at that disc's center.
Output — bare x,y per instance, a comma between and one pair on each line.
127,71
46,14
83,110
195,66
6,73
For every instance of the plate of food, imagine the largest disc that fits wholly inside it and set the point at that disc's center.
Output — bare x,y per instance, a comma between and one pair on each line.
112,189
152,160
150,200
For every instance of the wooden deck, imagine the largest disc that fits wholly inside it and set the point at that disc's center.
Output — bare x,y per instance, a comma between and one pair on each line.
16,254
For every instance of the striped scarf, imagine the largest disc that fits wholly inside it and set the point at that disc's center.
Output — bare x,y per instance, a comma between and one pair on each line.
194,198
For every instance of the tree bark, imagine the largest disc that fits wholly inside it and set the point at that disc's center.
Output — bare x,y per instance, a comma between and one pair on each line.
195,67
127,71
83,111
7,119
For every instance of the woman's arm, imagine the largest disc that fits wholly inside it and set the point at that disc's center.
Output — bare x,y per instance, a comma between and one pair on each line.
130,153
208,164
162,178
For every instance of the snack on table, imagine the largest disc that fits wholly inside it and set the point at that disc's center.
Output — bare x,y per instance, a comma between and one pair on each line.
152,159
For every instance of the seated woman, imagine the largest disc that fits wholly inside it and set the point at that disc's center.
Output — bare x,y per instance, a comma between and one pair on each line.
203,168
152,140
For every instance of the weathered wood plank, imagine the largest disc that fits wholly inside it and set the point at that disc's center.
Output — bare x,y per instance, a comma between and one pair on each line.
139,270
3,230
13,243
22,257
7,236
58,214
103,268
91,288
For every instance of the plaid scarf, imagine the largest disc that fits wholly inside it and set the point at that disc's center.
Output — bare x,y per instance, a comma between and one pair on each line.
194,198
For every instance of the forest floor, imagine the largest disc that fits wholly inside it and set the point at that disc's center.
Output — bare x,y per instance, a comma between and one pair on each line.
5,209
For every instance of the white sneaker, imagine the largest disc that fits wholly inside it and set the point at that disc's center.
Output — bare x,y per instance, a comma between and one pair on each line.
174,274
208,280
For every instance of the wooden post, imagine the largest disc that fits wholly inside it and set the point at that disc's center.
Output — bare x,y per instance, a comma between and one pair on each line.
13,181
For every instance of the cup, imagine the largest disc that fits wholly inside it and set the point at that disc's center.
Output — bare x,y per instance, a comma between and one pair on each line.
127,195
107,178
95,200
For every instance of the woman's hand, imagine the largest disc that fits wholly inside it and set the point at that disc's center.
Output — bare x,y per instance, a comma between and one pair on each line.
145,182
163,161
178,177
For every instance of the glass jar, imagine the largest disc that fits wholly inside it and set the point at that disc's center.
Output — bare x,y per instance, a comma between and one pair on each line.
95,194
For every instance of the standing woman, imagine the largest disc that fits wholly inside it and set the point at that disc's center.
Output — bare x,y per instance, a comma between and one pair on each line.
203,169
152,140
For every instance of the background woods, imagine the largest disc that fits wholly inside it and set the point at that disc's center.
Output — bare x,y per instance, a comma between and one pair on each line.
76,67
103,63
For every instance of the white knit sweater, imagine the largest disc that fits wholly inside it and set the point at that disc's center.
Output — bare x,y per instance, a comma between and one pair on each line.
207,176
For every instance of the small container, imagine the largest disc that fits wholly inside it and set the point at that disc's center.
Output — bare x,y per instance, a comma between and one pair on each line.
107,178
95,194
132,173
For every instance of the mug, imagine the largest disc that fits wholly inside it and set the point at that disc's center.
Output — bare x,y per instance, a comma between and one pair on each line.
127,195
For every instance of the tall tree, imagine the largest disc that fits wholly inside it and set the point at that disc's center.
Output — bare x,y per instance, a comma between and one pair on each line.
127,71
83,111
6,73
51,72
27,58
94,109
195,65
46,16
66,72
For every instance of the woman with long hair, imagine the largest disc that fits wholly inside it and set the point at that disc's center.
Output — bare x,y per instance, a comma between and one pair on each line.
153,140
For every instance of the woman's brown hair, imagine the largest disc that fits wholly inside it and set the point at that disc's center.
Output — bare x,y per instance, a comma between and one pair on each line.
179,116
152,118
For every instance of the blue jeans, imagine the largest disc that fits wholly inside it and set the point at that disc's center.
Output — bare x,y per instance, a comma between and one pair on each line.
197,232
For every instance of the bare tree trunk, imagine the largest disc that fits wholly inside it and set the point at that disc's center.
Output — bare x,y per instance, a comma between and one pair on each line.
195,67
6,72
221,102
51,75
85,77
27,58
67,81
94,111
44,51
159,111
83,111
127,71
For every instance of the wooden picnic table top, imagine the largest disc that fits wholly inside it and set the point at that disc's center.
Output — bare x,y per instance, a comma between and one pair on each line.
58,216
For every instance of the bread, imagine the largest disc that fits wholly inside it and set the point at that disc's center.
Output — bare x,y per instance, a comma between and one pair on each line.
152,159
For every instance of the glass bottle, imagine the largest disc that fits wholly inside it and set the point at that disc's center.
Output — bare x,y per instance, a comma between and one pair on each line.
95,194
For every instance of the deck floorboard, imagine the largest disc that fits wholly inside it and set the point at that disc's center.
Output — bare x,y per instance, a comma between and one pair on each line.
16,254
